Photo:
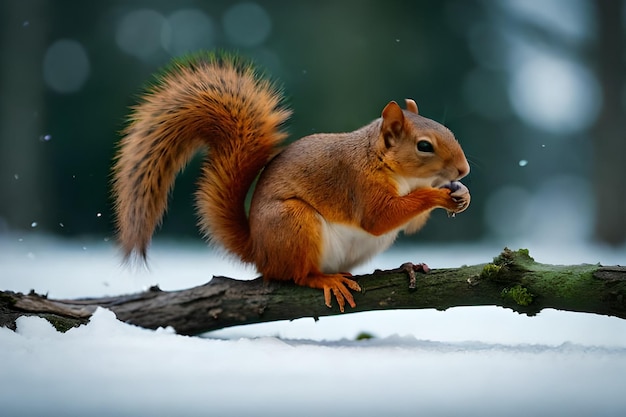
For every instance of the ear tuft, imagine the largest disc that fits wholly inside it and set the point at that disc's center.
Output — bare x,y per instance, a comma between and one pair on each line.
393,123
411,105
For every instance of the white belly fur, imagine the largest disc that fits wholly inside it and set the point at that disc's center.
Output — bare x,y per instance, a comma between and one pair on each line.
345,247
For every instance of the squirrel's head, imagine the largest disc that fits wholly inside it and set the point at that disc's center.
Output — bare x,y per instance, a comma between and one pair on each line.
419,151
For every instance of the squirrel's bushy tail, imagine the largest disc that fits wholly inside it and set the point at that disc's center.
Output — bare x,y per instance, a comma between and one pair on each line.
207,101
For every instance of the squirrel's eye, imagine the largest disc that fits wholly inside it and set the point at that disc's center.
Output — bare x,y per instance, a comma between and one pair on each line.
425,146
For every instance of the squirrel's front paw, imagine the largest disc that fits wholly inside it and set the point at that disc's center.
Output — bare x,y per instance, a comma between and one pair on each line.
460,197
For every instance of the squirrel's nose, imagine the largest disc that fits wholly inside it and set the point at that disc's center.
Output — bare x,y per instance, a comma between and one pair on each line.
463,169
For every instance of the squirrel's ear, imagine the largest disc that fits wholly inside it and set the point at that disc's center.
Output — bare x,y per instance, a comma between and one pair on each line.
411,105
393,123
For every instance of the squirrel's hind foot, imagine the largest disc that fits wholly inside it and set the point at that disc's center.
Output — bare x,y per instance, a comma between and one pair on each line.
336,284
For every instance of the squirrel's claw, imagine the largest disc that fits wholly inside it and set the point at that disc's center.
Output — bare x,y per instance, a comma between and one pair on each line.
460,195
338,285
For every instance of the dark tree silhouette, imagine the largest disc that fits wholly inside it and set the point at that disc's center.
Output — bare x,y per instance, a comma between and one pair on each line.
609,134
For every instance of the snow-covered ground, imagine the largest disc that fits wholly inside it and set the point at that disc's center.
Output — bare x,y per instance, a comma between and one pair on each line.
464,361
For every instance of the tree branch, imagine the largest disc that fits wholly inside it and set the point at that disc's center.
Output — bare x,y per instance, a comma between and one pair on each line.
514,280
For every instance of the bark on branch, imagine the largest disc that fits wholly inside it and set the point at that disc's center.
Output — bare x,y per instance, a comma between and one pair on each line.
514,280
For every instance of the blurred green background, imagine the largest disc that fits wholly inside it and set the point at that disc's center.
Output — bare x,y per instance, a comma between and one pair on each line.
533,89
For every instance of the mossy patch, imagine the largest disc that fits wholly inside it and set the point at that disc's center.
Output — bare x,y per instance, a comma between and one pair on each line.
364,336
518,260
7,299
490,271
62,324
519,294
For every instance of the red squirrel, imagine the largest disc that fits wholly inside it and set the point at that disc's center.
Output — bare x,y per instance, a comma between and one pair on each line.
322,204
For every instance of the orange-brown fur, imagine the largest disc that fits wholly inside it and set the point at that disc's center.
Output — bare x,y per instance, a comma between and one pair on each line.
372,181
219,104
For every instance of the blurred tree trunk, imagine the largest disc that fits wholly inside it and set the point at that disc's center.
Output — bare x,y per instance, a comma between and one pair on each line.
610,130
22,172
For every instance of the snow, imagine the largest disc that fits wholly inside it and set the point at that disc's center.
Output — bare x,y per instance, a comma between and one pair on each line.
464,361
